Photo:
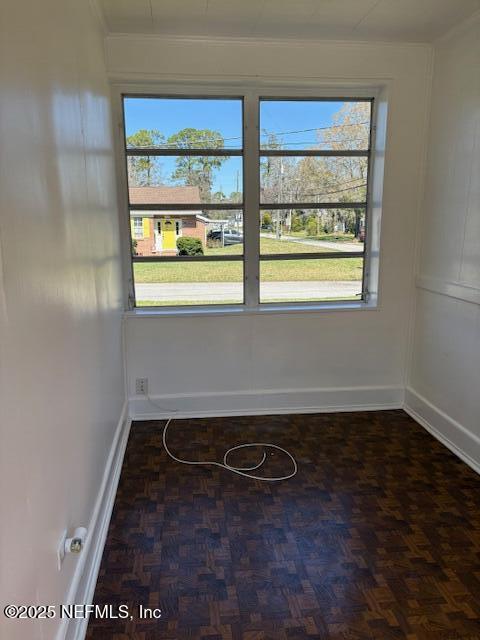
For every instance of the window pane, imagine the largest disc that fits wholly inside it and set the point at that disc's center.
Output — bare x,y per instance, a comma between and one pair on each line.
188,283
311,179
187,233
310,280
311,230
167,123
224,233
314,124
185,179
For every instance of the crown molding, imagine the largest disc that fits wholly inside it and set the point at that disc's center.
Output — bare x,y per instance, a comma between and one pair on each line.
248,41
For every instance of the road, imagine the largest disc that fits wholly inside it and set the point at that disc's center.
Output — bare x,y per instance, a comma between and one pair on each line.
233,291
320,244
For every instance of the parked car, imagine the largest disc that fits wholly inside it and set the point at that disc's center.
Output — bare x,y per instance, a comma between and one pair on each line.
230,236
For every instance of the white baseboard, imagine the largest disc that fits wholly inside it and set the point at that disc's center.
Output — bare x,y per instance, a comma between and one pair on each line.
264,402
84,579
450,432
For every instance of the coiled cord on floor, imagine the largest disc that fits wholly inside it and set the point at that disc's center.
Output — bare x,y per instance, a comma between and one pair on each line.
241,471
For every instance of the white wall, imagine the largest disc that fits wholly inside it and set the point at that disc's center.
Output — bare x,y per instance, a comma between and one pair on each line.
60,293
444,377
335,359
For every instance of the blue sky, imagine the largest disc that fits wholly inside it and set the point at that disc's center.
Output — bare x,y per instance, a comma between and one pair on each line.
225,116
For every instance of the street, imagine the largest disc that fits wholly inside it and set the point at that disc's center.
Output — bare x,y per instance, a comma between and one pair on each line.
233,291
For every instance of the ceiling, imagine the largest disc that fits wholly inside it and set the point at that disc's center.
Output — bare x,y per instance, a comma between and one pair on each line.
396,20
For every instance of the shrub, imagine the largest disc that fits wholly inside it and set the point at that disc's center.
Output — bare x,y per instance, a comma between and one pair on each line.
311,227
297,223
267,221
189,246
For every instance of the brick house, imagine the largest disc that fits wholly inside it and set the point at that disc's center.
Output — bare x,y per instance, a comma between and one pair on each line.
156,232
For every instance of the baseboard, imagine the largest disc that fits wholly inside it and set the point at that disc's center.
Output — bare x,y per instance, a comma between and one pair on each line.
84,579
447,430
266,401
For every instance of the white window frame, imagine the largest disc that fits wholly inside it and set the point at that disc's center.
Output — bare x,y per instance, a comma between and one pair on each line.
251,96
137,233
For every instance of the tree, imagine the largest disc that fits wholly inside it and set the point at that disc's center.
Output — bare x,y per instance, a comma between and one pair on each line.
236,196
219,196
298,221
323,179
197,170
312,226
267,221
144,171
352,128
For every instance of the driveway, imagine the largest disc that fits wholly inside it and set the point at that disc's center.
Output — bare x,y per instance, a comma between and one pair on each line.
233,291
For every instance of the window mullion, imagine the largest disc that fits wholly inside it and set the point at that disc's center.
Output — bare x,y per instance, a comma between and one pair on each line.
251,195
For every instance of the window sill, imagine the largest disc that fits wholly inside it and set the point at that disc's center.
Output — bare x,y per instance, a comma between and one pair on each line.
241,310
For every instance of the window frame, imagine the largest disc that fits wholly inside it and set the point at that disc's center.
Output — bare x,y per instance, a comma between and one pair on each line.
137,233
251,96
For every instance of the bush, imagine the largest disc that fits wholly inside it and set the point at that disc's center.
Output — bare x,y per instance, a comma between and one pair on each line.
298,223
189,246
311,227
267,221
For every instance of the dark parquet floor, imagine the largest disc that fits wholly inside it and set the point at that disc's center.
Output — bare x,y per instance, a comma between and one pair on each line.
377,537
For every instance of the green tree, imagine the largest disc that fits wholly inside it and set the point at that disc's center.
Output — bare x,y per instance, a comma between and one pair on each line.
236,196
219,196
312,226
267,221
144,171
197,171
298,222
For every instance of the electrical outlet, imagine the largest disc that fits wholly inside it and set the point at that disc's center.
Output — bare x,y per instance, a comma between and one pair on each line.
141,386
61,550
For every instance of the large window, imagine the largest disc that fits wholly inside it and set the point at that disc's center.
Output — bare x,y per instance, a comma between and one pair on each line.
285,179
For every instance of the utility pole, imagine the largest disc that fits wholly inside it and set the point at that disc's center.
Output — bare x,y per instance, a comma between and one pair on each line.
277,230
237,221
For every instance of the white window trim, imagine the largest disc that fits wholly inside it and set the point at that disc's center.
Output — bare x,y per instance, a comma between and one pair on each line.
138,233
251,177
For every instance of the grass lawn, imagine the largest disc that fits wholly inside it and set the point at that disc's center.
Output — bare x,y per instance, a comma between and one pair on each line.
274,271
326,237
267,246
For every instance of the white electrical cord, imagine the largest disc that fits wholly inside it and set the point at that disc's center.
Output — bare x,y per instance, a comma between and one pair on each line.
241,471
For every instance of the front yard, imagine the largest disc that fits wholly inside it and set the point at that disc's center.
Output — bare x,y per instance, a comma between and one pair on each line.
272,271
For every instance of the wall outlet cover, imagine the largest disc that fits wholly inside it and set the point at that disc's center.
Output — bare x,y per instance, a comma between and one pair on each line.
141,386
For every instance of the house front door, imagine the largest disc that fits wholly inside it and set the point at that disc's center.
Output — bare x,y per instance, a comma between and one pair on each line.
168,235
157,228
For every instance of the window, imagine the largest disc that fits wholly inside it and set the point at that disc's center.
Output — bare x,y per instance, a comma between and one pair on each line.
314,158
289,229
137,228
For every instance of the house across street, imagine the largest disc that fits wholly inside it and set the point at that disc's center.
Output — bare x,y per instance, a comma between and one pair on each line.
155,233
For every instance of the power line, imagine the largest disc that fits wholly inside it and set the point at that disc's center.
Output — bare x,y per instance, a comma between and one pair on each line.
329,193
333,126
171,145
314,142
